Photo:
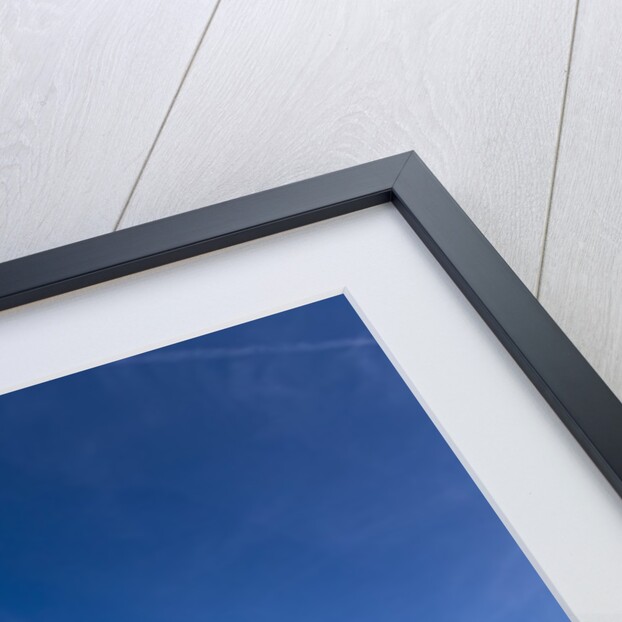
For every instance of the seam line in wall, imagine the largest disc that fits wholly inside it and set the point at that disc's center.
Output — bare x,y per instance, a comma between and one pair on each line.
167,115
547,219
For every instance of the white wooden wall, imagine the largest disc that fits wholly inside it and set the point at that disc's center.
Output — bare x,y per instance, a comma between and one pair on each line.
115,113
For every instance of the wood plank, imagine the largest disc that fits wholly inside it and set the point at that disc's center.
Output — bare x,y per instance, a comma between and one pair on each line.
84,87
582,276
282,91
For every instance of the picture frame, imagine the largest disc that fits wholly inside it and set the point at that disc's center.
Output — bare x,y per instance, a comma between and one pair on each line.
575,392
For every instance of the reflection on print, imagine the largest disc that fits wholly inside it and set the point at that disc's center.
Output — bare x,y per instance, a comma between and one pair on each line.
279,470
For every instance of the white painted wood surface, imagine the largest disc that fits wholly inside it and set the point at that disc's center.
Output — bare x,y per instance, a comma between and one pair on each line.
582,272
84,87
284,90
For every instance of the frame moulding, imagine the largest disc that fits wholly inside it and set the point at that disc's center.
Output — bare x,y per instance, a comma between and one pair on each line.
572,388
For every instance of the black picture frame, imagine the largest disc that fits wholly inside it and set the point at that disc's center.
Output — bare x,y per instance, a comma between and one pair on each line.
572,388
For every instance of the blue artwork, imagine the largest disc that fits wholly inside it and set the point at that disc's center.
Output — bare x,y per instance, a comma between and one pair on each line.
277,471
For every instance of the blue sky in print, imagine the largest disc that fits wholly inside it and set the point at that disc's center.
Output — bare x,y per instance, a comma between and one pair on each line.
277,471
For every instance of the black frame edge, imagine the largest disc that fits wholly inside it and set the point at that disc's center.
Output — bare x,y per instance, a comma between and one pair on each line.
572,388
565,379
88,262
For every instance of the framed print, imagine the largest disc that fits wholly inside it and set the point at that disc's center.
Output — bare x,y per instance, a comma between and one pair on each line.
278,469
328,400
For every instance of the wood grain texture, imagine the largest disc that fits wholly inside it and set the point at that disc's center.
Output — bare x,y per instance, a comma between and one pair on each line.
582,272
282,91
84,87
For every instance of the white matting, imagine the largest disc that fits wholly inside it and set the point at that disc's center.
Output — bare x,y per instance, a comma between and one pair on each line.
550,495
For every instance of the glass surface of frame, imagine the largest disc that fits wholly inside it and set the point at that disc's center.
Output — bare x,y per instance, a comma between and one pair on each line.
546,491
